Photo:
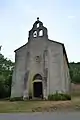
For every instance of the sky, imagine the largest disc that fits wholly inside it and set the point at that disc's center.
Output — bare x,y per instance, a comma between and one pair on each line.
61,17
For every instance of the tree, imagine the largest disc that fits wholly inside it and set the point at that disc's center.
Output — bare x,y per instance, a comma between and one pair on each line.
6,70
75,72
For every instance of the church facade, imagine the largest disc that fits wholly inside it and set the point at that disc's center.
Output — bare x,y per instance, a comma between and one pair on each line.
41,66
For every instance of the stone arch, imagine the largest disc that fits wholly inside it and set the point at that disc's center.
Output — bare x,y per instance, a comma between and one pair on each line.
37,29
37,76
41,33
35,34
37,86
38,25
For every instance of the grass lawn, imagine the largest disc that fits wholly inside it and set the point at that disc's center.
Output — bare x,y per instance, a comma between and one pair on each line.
38,106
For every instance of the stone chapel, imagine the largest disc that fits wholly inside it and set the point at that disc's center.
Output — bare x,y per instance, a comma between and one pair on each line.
41,66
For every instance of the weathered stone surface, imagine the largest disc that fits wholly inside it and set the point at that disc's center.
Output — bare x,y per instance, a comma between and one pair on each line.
44,57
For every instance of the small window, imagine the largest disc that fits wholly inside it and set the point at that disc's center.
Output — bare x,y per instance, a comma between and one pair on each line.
37,25
37,58
35,34
41,33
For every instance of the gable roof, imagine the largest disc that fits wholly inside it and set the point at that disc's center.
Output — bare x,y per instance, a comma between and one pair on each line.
64,51
20,47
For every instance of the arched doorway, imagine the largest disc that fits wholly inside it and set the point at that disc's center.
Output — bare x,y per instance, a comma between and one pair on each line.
37,86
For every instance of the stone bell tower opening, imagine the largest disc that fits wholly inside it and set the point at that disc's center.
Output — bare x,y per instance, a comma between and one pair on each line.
38,31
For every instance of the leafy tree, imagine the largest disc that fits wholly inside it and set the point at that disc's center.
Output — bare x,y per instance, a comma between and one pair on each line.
75,72
6,69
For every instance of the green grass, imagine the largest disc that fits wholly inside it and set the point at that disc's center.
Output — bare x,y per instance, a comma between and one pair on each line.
37,106
7,106
18,106
76,93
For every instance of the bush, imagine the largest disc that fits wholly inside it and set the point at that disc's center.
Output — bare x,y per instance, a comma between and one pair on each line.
67,96
59,96
16,99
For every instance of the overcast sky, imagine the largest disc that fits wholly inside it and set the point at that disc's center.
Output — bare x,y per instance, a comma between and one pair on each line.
61,17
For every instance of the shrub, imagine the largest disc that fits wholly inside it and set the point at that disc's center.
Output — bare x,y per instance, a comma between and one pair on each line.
67,96
59,96
16,99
